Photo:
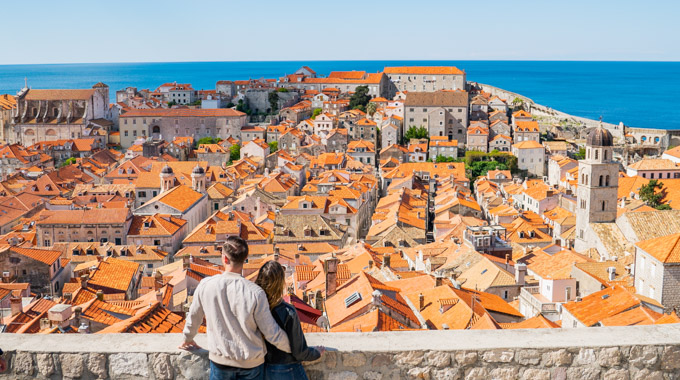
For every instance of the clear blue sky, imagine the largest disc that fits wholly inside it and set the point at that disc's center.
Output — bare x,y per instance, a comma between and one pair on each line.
69,31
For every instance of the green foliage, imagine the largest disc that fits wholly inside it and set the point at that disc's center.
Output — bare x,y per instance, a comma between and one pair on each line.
208,140
69,161
230,105
371,108
196,103
441,158
480,168
172,103
360,98
416,133
281,89
478,163
651,196
274,101
581,154
273,146
243,107
316,112
235,153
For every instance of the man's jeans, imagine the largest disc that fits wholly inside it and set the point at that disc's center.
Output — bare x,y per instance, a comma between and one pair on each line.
221,372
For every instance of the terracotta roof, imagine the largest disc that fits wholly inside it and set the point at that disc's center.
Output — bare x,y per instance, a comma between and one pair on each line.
113,273
424,70
530,144
604,304
61,94
43,255
665,249
437,99
537,322
183,112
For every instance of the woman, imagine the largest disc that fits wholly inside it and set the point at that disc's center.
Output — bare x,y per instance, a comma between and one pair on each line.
280,365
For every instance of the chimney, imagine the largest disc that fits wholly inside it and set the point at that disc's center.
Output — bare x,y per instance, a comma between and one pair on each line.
438,280
331,269
15,305
44,323
297,258
421,302
520,272
387,260
75,321
159,296
318,300
157,280
507,261
185,262
67,297
83,281
100,295
370,264
445,326
612,273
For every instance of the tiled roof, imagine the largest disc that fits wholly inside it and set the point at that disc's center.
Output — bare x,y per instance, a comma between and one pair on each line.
437,99
603,304
183,112
60,94
424,70
537,322
665,249
115,274
43,255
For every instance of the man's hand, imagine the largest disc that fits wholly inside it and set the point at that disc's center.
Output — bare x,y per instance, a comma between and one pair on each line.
3,365
189,346
321,349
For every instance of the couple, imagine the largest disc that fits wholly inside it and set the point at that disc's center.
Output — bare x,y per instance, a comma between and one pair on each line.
252,333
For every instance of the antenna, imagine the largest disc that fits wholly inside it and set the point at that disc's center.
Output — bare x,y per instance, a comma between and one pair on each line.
25,82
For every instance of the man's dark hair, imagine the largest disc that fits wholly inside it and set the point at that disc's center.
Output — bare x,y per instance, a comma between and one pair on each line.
236,249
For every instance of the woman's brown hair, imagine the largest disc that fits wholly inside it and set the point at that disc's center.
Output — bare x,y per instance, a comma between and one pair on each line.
272,279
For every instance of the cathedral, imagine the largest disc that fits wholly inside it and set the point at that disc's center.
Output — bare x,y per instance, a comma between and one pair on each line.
48,115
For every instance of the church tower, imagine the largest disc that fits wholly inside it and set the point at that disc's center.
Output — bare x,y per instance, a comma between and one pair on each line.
198,179
167,178
598,184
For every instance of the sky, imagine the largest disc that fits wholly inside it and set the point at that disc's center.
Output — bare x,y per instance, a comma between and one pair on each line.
87,31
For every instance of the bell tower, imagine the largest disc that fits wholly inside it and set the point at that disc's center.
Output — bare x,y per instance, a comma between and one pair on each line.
598,182
167,178
198,179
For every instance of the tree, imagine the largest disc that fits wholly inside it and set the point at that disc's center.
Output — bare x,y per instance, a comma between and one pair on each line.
281,89
581,154
208,140
243,107
416,133
518,104
649,194
273,146
316,112
274,101
235,153
441,158
69,161
360,98
172,103
371,108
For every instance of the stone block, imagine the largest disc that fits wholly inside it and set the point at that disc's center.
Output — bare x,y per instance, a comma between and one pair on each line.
505,373
560,373
643,356
528,357
498,356
371,375
127,364
344,375
466,358
583,373
411,358
585,357
419,373
446,374
194,365
380,360
616,374
609,357
45,364
72,365
23,364
162,367
96,364
353,359
330,359
477,374
647,374
438,359
670,359
557,358
536,374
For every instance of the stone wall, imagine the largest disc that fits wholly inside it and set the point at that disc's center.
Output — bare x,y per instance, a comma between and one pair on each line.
613,353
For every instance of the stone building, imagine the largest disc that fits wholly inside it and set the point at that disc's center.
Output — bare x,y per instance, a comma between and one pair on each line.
39,267
443,113
93,225
169,124
530,157
598,184
344,81
364,129
425,78
48,115
657,270
7,104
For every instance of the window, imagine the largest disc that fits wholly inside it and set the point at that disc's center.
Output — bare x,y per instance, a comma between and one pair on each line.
156,242
126,132
604,205
652,270
651,175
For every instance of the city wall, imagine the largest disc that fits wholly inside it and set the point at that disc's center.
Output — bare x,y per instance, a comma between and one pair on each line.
611,353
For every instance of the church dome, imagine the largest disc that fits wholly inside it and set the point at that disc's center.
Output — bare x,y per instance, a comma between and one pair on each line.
198,170
600,137
166,170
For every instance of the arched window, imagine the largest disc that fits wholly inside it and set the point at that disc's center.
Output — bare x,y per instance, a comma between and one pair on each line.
596,154
606,181
604,203
601,180
586,182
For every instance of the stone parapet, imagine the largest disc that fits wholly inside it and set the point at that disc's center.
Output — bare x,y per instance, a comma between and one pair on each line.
644,352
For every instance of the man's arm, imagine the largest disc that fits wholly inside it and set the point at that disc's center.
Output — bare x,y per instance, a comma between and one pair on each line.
298,344
194,318
268,326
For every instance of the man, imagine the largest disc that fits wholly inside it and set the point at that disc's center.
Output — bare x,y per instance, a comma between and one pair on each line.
237,317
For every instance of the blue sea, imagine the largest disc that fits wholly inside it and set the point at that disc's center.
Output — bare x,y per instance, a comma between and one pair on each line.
641,94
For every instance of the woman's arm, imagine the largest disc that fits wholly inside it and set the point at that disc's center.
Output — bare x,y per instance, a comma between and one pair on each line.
298,344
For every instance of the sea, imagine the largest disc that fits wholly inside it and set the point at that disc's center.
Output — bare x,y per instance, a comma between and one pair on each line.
639,94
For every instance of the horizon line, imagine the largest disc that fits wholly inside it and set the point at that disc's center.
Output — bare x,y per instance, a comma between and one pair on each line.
350,60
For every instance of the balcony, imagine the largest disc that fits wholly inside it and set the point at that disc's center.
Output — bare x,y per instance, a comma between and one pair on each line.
604,352
532,295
